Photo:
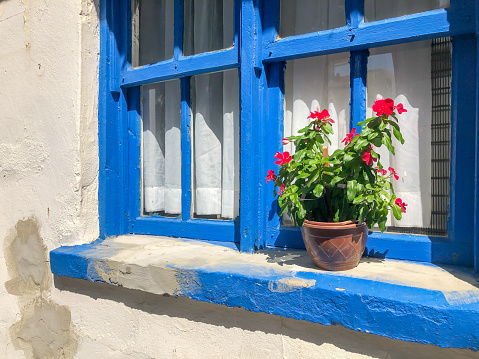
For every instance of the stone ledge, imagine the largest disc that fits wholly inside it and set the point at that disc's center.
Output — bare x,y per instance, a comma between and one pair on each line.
402,300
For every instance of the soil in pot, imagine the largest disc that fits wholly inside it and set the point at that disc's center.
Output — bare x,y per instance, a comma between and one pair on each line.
335,246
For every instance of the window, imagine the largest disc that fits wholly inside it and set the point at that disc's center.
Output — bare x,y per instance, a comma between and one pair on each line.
198,94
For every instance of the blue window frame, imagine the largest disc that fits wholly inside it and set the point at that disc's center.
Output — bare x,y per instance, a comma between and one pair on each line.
260,58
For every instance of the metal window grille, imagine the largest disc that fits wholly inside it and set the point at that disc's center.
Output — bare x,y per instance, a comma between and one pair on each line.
441,69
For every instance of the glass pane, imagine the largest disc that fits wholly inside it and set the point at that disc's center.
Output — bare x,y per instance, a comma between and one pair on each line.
418,75
152,31
215,152
161,145
385,9
316,82
304,16
209,26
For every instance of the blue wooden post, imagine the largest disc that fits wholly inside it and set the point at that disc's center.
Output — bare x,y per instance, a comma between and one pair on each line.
463,94
112,120
185,149
476,151
249,143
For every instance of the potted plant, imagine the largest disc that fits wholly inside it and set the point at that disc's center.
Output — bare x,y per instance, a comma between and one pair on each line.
337,198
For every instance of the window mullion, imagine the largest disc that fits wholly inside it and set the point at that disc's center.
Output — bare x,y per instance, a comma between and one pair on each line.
250,146
358,72
354,13
178,29
185,149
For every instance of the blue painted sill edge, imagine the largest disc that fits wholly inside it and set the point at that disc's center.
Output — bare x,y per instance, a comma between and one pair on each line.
402,300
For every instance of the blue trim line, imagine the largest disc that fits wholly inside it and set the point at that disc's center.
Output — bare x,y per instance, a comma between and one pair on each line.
366,304
208,230
134,150
249,141
185,66
354,13
463,93
358,73
186,179
178,29
476,151
409,28
438,250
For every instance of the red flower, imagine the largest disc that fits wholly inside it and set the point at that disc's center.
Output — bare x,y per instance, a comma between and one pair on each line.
271,176
282,158
382,171
323,116
400,108
349,137
285,141
401,204
368,158
281,189
393,172
383,107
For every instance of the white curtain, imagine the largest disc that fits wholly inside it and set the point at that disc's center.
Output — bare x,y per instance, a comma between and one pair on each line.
215,119
215,107
304,16
162,147
403,73
318,82
385,9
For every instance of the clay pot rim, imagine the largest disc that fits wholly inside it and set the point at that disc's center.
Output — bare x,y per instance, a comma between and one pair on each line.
333,225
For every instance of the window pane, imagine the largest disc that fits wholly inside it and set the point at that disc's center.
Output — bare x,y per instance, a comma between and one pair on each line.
209,26
161,145
384,9
152,31
418,75
215,152
317,82
304,16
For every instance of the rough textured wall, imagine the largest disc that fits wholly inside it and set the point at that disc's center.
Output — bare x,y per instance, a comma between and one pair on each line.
48,193
48,164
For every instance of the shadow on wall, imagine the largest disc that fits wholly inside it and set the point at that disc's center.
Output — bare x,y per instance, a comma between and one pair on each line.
45,329
229,318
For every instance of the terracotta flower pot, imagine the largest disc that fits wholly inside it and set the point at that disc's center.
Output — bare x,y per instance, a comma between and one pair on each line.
335,246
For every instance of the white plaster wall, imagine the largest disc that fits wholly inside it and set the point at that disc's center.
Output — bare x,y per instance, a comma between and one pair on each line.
48,195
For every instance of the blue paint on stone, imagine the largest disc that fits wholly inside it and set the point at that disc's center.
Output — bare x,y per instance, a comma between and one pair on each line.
329,298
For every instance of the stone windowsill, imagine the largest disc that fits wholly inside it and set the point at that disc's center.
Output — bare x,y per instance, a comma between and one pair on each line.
397,299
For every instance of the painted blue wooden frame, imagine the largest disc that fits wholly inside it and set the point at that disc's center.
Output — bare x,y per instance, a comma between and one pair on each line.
261,57
357,37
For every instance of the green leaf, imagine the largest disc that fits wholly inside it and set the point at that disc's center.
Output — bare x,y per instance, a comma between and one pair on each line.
396,211
352,188
366,121
336,216
362,142
348,157
376,141
398,134
359,199
318,190
335,180
302,175
386,140
382,224
363,212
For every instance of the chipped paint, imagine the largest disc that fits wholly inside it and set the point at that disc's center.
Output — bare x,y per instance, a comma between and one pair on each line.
395,306
285,285
461,297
